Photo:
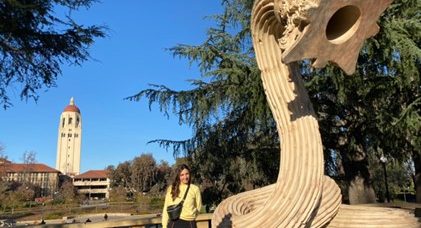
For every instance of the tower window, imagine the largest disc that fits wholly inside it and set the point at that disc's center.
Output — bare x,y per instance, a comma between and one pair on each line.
62,134
77,121
76,135
70,120
62,122
69,135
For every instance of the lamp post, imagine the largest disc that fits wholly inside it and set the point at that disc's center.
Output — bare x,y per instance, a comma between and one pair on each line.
383,160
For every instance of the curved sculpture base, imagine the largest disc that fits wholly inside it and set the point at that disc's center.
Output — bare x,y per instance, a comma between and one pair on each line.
348,216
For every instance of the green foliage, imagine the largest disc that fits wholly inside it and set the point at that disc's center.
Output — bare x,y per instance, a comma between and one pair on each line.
67,193
4,194
141,174
399,48
152,203
143,170
156,203
34,42
163,175
118,194
58,200
17,195
54,215
399,179
24,194
376,111
15,215
120,176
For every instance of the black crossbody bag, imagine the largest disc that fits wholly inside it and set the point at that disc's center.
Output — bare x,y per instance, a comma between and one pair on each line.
174,211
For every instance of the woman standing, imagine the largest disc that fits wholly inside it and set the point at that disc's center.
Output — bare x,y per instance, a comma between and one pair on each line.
175,194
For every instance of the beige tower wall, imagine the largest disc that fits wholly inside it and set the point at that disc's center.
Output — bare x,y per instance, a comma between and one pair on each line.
69,143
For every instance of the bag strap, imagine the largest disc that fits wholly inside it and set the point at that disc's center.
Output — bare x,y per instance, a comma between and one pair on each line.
185,194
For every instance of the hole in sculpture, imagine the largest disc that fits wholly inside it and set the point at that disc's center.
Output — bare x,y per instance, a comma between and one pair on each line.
343,24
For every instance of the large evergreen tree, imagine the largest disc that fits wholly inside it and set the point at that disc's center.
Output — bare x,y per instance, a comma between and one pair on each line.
34,42
375,111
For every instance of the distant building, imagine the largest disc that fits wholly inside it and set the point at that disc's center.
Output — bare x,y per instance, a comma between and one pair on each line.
69,140
41,175
94,184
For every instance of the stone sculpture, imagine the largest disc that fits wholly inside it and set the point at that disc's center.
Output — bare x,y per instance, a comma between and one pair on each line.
285,31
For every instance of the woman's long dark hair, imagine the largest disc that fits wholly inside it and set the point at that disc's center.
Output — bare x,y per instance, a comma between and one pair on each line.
175,189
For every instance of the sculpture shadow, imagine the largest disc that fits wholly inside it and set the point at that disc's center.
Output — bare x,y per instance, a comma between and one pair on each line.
226,221
301,106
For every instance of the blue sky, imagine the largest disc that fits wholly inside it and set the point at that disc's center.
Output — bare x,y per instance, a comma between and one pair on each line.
132,56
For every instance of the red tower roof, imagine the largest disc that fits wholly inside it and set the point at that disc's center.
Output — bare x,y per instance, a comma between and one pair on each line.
71,107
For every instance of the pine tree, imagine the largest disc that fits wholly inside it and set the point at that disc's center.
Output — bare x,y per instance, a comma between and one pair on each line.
377,110
401,45
34,42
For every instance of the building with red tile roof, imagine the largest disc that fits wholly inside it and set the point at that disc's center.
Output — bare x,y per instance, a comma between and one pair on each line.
94,184
45,177
37,168
93,174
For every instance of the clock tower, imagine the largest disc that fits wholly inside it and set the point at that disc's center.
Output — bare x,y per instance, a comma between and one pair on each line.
69,140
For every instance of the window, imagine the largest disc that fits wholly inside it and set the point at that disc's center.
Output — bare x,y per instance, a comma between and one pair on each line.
77,121
69,135
70,120
62,122
76,135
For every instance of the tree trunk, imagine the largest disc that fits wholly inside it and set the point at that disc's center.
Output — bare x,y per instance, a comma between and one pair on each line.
360,189
361,193
416,157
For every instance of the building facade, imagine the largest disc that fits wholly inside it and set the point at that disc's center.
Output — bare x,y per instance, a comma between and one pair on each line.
39,175
94,184
69,140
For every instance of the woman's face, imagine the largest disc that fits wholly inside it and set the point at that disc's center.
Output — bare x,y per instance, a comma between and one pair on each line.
185,176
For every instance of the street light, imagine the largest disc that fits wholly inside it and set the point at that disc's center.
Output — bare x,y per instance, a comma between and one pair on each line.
383,160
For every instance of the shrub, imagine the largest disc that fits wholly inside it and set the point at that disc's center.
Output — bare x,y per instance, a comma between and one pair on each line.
156,203
54,215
